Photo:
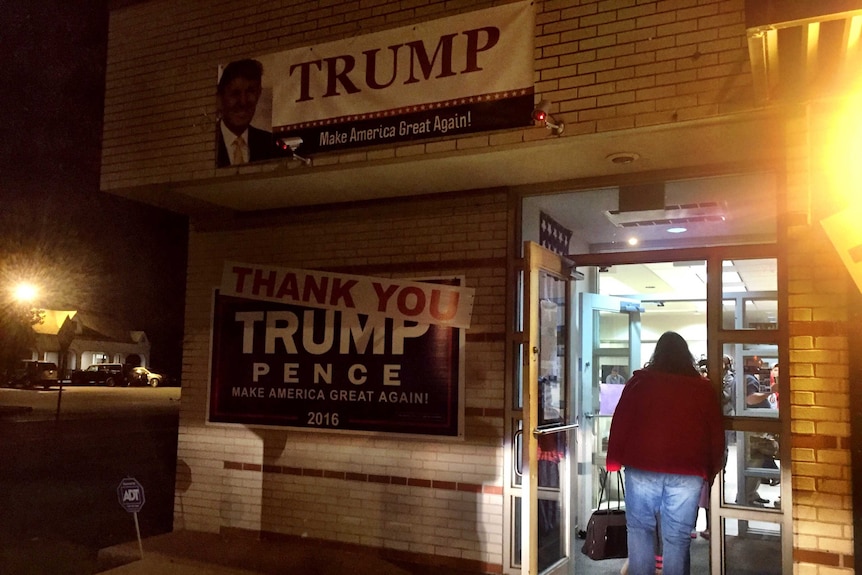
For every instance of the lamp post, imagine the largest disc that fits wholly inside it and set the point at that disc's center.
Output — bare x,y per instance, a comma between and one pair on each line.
16,320
25,294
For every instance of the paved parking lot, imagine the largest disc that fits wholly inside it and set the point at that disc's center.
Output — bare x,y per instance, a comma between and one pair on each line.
74,401
59,478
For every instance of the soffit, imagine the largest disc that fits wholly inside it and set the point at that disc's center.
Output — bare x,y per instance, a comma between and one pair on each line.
549,161
801,51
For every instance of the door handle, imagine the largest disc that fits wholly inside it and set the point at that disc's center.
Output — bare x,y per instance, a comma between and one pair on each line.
547,430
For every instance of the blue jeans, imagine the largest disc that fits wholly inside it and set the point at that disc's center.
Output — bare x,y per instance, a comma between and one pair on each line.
675,499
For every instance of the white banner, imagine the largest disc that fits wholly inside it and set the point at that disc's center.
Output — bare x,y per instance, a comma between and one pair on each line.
458,75
487,53
425,303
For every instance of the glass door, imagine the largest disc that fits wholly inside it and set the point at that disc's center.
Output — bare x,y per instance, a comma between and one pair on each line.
725,303
702,260
610,330
546,425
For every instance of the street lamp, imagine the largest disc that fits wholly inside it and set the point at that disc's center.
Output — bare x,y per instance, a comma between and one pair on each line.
25,293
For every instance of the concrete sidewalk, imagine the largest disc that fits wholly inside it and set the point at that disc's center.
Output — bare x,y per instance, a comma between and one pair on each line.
157,564
198,553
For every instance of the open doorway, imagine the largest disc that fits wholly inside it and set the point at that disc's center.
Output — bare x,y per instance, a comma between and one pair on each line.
644,257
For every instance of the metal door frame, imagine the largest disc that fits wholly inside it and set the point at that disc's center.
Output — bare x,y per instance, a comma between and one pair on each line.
536,260
717,336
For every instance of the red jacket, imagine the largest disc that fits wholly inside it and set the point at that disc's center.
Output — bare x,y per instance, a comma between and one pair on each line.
667,423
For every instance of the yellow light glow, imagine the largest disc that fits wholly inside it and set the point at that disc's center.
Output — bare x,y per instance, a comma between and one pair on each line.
633,241
813,41
843,154
854,34
25,292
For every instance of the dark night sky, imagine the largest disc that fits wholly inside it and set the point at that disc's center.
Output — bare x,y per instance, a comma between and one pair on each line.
89,250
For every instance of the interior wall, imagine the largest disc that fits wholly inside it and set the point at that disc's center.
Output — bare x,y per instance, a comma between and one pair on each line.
691,327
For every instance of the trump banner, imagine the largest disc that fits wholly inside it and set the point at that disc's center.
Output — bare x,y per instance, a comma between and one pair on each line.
311,349
456,75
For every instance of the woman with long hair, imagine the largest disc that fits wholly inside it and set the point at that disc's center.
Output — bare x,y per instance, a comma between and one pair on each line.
667,433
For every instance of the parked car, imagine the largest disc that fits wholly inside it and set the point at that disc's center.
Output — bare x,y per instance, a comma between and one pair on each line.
31,373
143,376
109,374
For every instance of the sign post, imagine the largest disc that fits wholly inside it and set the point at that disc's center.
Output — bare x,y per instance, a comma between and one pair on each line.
130,493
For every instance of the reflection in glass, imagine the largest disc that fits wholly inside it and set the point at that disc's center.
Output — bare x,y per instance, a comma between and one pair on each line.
552,350
518,366
757,312
516,532
550,543
552,448
613,330
517,381
613,372
551,547
751,547
752,472
751,379
750,299
729,315
760,313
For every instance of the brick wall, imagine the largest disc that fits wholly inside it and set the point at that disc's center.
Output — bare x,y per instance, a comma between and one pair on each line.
818,287
606,65
627,64
415,496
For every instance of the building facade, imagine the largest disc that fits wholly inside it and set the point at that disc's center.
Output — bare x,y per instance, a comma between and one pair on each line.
75,340
708,114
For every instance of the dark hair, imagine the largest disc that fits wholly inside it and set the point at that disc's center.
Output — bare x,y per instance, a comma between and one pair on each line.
248,69
671,355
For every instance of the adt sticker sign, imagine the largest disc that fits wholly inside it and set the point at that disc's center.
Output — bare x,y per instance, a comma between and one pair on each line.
131,494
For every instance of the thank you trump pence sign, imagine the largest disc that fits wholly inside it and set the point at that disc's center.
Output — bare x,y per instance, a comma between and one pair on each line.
312,349
452,76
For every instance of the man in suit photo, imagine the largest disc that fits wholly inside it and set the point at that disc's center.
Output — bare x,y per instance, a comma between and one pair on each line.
238,92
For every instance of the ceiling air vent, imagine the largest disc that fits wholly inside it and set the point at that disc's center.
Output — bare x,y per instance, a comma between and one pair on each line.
669,215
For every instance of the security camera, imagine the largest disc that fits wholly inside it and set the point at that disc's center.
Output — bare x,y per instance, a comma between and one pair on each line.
289,146
289,143
541,113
